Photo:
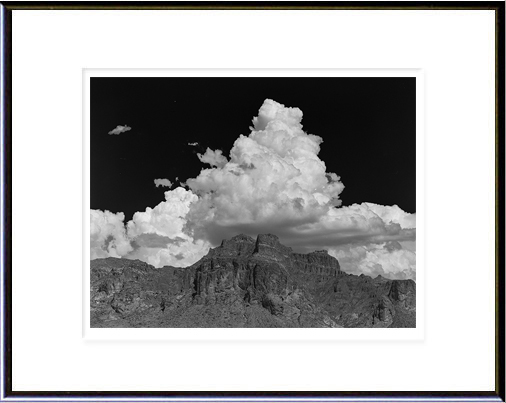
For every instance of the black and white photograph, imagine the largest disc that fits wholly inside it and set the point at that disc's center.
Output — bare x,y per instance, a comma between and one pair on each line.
259,202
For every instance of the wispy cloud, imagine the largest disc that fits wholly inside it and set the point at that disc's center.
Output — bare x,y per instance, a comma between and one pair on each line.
193,144
120,129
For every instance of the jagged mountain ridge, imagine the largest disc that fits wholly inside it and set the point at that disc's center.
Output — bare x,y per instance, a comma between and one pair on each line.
247,283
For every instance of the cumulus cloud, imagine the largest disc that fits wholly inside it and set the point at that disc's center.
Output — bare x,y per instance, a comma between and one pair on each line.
163,182
358,223
168,220
157,235
272,182
108,235
387,259
393,214
120,129
213,158
193,144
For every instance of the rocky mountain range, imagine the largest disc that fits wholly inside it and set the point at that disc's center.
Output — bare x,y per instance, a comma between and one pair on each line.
247,282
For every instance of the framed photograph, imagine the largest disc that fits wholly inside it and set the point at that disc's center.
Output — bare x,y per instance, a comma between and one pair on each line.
253,201
259,240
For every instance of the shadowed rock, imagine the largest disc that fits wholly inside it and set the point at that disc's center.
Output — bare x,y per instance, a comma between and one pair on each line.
247,283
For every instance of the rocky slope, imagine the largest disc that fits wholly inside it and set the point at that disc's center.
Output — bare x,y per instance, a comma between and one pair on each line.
247,283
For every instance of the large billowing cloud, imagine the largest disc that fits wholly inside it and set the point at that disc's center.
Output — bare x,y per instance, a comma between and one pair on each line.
272,182
169,242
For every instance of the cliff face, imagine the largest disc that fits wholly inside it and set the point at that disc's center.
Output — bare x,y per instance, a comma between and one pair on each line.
246,283
254,268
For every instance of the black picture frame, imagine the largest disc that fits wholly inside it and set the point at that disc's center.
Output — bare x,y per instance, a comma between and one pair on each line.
498,394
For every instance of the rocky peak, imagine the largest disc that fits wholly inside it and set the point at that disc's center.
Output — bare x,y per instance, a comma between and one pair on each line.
239,245
268,245
319,263
247,282
242,238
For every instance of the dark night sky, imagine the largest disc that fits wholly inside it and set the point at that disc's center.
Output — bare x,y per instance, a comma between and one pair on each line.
367,126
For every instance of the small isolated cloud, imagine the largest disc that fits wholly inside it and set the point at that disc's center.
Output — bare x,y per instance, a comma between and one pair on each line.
120,129
163,182
193,144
